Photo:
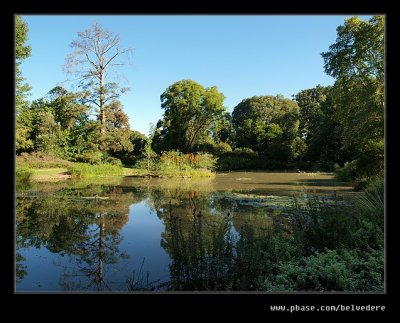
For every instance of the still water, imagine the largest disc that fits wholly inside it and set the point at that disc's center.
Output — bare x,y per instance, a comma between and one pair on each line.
133,234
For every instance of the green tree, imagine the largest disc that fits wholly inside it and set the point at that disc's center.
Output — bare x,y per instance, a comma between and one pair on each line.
22,51
310,101
49,133
268,125
356,60
117,135
189,111
97,54
320,132
59,124
138,141
68,107
222,130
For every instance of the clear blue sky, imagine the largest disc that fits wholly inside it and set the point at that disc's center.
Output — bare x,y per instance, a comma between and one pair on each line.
242,55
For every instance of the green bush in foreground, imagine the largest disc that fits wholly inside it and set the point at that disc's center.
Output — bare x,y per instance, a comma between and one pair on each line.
81,170
331,270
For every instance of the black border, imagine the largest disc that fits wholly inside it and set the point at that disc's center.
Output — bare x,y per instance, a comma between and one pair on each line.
172,306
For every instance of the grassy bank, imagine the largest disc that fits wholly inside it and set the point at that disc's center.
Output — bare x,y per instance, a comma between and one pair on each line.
82,170
170,164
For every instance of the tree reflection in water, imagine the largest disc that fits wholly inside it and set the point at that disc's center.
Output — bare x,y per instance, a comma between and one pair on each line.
85,229
214,243
201,250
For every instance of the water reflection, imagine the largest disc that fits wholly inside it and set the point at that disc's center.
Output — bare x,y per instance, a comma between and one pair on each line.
81,223
213,239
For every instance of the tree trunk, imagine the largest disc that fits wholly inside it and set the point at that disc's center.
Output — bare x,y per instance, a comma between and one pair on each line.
102,104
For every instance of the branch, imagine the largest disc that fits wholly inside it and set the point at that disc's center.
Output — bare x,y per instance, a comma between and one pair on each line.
115,96
94,65
196,131
93,101
110,60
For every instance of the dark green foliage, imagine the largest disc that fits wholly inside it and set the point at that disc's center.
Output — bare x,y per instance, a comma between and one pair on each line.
190,111
320,133
59,125
349,171
356,60
113,161
269,126
138,142
331,270
239,159
91,157
22,51
117,135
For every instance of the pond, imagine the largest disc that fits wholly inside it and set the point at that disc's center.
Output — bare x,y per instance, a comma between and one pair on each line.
139,234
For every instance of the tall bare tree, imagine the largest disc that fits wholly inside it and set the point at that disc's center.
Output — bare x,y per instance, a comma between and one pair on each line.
96,54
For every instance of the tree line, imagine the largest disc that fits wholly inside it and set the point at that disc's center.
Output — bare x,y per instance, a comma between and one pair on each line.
321,128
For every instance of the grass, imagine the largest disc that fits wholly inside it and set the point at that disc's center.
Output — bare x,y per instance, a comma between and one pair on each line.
49,171
82,170
188,173
192,173
134,172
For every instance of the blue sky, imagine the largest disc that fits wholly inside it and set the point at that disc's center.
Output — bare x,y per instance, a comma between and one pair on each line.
242,55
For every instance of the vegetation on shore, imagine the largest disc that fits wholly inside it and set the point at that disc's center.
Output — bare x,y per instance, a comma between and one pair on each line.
313,131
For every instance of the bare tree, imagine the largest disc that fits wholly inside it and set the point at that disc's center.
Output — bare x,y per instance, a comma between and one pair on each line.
96,53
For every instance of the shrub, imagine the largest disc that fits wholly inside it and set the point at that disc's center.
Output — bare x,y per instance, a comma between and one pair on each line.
81,170
239,159
370,226
24,174
113,161
91,157
148,165
40,160
348,172
372,202
175,163
330,270
222,147
204,161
